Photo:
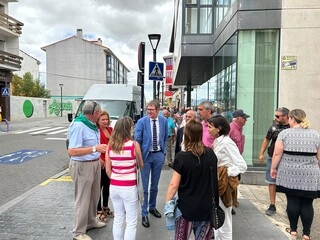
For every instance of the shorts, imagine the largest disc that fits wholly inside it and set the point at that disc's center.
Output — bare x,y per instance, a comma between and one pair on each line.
269,179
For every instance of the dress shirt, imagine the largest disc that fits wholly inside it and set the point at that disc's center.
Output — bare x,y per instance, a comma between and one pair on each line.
228,155
207,139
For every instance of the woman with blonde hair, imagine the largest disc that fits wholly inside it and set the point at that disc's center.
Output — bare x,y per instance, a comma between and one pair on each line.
103,210
123,156
295,165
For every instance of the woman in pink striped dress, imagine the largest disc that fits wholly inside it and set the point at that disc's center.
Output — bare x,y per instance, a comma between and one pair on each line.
123,155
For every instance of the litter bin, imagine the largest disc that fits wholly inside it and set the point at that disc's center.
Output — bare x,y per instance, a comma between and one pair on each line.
70,117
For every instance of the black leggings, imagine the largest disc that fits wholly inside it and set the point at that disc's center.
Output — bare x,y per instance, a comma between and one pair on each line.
105,186
303,208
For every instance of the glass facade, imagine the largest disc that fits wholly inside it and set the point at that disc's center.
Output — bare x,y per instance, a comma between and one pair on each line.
116,72
257,84
246,76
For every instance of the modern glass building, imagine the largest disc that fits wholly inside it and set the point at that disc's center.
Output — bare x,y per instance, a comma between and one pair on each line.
254,55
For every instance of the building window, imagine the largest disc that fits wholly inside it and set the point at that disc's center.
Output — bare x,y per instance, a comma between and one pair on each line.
198,17
205,20
220,10
191,21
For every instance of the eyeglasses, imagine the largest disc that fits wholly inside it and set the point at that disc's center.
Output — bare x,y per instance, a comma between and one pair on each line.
277,116
151,109
94,107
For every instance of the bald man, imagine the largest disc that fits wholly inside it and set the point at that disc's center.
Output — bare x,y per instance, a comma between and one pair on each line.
191,114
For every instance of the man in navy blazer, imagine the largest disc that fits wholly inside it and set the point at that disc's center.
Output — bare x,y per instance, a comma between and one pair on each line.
153,156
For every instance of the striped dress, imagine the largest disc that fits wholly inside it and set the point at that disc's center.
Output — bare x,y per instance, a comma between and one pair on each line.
123,166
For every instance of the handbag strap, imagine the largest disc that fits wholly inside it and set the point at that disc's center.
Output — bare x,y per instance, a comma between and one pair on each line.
214,185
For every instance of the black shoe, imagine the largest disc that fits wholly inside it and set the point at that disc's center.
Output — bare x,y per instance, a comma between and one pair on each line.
155,213
145,222
233,212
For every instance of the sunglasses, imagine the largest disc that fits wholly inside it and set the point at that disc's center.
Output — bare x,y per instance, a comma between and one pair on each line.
277,116
94,107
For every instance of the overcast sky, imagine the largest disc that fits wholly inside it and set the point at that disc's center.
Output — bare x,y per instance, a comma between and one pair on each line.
121,24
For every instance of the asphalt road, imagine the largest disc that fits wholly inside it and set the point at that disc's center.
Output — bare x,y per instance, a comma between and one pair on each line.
46,137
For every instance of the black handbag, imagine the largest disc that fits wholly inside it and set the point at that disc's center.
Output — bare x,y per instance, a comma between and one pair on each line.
217,214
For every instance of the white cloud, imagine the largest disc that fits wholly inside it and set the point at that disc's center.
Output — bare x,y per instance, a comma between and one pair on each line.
121,24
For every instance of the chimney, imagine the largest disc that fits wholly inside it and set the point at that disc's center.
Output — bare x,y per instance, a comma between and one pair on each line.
100,41
79,33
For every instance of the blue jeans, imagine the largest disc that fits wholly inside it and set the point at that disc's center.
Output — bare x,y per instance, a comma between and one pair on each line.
152,165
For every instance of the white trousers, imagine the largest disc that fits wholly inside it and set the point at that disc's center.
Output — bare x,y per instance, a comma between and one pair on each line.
125,205
225,231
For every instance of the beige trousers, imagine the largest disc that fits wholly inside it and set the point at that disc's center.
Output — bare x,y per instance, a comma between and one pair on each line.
86,179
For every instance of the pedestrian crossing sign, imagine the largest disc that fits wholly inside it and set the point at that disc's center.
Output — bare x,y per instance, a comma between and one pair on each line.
156,71
5,92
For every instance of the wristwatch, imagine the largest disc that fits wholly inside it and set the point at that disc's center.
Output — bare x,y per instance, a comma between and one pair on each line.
94,149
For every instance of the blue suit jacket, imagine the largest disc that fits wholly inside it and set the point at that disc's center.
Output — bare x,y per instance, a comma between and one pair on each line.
143,134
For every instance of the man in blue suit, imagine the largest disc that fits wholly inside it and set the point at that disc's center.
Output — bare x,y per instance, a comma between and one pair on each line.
151,133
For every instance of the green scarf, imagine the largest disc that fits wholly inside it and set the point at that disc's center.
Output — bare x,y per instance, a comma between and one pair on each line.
85,121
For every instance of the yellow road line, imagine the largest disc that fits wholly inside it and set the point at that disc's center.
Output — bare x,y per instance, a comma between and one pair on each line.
60,179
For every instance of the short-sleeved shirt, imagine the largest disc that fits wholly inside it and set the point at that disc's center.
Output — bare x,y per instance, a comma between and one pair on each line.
171,126
272,135
195,195
81,136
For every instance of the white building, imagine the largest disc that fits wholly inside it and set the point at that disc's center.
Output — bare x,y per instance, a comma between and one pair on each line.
10,61
78,63
29,64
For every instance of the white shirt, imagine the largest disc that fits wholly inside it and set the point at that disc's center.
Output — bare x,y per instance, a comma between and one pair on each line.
228,155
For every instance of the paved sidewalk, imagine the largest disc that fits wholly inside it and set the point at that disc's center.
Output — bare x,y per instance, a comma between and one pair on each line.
46,212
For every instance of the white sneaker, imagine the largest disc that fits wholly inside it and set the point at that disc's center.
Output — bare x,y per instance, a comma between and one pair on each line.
82,237
97,224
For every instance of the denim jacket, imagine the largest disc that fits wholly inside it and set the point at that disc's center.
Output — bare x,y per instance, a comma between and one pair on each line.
172,212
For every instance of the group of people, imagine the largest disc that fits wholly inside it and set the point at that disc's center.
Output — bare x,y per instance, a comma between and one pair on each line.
106,161
204,150
293,167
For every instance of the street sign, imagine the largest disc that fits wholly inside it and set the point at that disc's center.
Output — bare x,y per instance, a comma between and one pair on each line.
5,92
156,71
21,156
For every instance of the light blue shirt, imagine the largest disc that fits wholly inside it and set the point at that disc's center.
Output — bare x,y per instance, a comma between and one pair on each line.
171,126
81,136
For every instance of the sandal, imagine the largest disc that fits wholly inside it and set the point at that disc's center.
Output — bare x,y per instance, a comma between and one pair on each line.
107,212
101,216
306,237
293,234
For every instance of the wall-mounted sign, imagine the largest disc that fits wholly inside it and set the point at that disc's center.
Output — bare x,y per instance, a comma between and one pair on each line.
289,63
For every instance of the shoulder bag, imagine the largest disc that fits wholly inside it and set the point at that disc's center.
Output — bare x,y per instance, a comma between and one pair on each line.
217,214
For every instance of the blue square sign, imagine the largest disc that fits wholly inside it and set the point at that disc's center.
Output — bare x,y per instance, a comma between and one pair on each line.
5,92
156,71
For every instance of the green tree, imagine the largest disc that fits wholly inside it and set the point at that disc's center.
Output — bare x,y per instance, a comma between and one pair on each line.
28,87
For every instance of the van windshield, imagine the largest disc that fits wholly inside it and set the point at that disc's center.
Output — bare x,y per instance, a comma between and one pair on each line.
115,108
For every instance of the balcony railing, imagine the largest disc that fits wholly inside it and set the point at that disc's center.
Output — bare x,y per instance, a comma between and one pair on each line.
10,23
10,61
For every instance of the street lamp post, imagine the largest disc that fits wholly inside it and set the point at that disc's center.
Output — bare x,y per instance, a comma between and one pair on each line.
61,86
154,41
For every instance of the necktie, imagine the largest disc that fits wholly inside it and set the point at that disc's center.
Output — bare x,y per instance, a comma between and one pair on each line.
154,136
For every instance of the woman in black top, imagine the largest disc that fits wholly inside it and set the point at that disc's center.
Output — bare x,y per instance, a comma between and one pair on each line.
191,178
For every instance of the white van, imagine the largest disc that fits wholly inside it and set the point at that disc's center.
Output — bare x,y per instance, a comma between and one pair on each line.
117,99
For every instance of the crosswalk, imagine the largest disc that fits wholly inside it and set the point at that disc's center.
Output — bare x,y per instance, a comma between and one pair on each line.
43,131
